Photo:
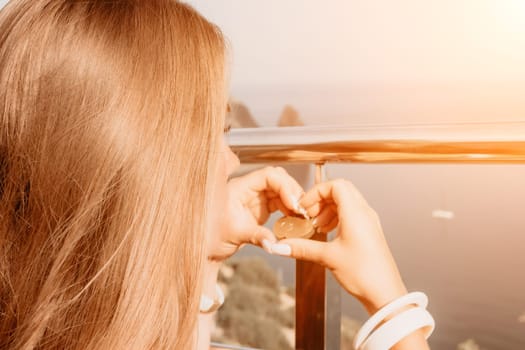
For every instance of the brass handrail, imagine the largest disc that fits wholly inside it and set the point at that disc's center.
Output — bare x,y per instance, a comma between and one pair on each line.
416,143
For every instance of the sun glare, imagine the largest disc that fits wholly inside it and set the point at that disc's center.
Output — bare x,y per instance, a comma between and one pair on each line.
511,15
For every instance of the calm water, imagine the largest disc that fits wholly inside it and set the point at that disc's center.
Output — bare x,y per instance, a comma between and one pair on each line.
472,267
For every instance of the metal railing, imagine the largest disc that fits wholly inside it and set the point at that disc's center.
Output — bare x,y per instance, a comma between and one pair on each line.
481,143
431,143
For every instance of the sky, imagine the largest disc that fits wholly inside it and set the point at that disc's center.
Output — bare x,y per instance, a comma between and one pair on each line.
376,61
339,41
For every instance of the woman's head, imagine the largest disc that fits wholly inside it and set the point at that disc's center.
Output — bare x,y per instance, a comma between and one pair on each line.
111,120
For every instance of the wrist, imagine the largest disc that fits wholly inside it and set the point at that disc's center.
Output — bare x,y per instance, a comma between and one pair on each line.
402,318
374,302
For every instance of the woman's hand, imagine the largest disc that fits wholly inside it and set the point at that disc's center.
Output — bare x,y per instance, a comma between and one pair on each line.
358,256
251,200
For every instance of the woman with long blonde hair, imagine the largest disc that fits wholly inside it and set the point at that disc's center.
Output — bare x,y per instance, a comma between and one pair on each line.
115,208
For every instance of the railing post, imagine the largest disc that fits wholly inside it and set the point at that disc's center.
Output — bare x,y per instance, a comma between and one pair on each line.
310,294
310,304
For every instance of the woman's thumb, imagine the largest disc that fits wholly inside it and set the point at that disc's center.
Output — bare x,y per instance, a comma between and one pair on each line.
302,249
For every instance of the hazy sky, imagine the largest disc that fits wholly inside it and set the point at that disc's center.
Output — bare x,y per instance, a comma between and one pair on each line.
341,41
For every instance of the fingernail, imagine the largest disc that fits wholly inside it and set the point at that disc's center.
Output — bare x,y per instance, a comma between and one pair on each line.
281,249
295,203
297,207
303,212
267,245
314,222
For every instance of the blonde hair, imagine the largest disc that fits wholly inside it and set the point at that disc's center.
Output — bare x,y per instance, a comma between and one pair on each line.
111,114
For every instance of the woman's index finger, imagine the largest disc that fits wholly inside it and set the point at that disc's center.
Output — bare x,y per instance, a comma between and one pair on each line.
341,192
275,180
312,198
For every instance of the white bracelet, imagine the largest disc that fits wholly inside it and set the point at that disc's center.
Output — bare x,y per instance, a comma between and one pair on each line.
209,305
417,298
399,327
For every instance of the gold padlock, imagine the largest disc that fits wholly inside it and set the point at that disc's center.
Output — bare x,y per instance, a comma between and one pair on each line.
293,227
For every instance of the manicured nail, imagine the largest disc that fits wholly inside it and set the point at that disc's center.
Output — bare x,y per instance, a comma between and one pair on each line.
314,222
281,249
297,207
267,245
295,203
304,213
